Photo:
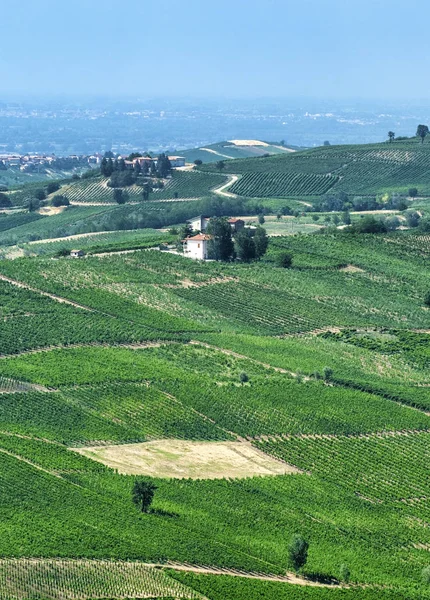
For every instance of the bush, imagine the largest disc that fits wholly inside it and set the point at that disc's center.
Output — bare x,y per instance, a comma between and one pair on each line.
243,377
4,201
327,373
60,201
284,260
52,187
344,573
413,192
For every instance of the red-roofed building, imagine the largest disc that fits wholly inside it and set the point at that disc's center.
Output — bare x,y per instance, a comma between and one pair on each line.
197,246
236,224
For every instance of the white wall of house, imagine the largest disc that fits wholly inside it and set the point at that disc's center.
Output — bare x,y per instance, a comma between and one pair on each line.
196,249
199,223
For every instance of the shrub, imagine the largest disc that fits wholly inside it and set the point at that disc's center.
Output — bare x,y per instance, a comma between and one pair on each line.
243,377
327,373
413,192
344,573
284,260
52,187
60,201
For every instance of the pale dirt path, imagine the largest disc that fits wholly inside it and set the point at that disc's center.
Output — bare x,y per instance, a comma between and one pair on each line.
42,293
215,152
135,346
289,577
221,190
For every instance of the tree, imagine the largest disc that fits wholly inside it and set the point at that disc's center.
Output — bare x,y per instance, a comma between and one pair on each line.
327,373
391,136
243,377
327,143
186,231
368,224
60,200
261,219
413,219
315,218
284,260
344,573
413,192
220,246
52,187
298,552
346,217
422,131
336,220
146,190
118,196
198,162
427,299
220,165
245,246
164,167
4,201
261,242
143,494
39,194
279,217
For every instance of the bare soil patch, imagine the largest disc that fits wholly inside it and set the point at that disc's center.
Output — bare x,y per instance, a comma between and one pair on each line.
48,211
352,269
247,143
188,459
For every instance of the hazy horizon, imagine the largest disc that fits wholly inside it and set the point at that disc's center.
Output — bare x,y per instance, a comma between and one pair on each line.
332,50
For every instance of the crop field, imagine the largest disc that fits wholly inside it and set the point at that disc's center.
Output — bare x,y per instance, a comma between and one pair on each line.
368,169
263,402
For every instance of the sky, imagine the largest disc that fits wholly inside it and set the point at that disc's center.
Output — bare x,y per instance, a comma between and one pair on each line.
375,49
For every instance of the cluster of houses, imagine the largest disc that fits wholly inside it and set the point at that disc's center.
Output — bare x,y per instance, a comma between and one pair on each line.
147,161
196,246
31,162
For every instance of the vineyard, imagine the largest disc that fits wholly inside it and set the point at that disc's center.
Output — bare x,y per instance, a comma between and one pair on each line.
283,184
368,169
297,398
183,184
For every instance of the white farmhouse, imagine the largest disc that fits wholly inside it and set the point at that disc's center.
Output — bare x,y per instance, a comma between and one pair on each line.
197,246
199,223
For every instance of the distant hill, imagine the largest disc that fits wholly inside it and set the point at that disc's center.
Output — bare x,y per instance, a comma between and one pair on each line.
235,149
355,169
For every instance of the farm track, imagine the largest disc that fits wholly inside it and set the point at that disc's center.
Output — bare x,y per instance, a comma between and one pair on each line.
221,189
131,346
60,299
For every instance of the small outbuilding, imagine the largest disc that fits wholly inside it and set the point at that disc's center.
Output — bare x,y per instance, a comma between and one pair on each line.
236,225
77,253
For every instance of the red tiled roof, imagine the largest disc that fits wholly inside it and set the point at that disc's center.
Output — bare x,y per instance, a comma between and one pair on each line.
200,237
234,220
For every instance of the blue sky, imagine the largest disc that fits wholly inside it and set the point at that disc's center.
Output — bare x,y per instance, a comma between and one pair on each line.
223,48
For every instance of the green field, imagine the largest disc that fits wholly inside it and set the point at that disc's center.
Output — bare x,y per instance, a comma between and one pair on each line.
322,368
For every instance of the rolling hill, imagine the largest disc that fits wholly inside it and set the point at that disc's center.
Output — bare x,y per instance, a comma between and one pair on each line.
356,170
234,149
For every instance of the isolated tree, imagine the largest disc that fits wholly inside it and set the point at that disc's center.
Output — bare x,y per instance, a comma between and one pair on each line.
284,260
261,219
220,165
422,131
344,573
427,299
245,246
413,192
391,136
327,143
146,190
279,217
143,494
346,217
118,196
220,246
52,187
198,162
327,373
59,200
243,377
261,242
413,219
298,552
315,218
